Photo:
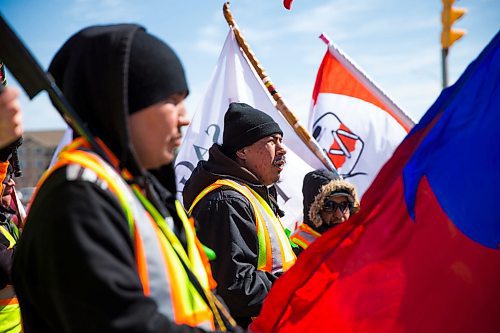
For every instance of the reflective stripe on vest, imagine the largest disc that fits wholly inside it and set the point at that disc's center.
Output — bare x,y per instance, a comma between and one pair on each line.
304,236
275,253
160,269
10,238
10,314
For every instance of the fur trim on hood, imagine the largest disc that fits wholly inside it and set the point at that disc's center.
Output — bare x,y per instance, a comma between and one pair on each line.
326,191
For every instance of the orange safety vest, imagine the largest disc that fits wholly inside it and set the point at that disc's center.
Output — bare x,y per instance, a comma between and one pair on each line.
3,172
10,314
304,236
275,252
160,256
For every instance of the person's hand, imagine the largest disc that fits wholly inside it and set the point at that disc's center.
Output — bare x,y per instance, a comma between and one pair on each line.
11,127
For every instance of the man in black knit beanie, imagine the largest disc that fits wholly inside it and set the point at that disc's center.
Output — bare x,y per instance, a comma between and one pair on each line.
233,199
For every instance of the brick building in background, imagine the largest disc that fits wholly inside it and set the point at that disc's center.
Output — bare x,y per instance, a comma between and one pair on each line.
35,155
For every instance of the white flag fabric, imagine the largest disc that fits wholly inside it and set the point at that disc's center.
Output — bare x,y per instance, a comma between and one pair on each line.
235,80
65,140
354,122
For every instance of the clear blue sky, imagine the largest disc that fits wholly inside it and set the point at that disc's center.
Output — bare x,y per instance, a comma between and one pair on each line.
396,42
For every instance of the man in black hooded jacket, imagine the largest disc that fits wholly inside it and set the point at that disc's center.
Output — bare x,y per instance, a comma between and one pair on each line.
233,198
104,241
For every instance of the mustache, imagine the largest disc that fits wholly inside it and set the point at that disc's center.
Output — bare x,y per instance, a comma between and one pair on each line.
279,159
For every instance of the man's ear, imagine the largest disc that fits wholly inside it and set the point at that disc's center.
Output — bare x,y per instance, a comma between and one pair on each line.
241,154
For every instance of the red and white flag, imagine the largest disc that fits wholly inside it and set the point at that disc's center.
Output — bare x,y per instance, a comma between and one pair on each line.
235,80
354,122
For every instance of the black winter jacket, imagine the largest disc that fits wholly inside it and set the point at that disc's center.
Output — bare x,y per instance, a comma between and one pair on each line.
75,269
226,224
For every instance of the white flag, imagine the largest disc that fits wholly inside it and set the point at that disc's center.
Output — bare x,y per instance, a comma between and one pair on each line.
354,122
235,80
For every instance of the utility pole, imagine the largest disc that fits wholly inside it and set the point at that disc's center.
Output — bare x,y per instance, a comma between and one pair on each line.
449,36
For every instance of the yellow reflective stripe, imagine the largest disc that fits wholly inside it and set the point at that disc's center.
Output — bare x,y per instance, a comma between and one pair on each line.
193,251
76,143
10,314
10,318
201,195
287,254
297,240
264,242
9,237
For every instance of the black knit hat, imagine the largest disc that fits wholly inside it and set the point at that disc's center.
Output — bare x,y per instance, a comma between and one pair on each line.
155,72
244,125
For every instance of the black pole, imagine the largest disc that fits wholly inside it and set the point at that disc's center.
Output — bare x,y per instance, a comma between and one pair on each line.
444,67
30,75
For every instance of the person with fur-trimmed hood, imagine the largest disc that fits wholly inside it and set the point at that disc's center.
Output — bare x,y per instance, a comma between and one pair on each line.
328,201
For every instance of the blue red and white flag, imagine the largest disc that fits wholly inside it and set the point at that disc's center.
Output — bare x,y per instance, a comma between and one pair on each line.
354,122
423,254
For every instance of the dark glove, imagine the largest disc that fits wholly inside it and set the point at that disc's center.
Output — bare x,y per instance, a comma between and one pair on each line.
6,152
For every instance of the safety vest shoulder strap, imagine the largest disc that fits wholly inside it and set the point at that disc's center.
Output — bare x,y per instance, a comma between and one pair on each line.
10,238
304,236
243,189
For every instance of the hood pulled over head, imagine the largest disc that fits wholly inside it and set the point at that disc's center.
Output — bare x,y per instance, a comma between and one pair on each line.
109,72
332,188
318,186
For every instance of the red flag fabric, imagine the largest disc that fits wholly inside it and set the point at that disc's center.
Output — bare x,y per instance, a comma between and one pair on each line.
287,4
423,254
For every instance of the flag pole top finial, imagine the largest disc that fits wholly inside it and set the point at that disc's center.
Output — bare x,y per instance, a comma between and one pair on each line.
227,14
325,38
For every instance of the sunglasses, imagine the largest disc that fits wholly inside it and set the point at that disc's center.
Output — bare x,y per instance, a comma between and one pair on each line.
332,206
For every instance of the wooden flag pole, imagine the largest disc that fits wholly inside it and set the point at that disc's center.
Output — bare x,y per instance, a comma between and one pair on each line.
280,104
